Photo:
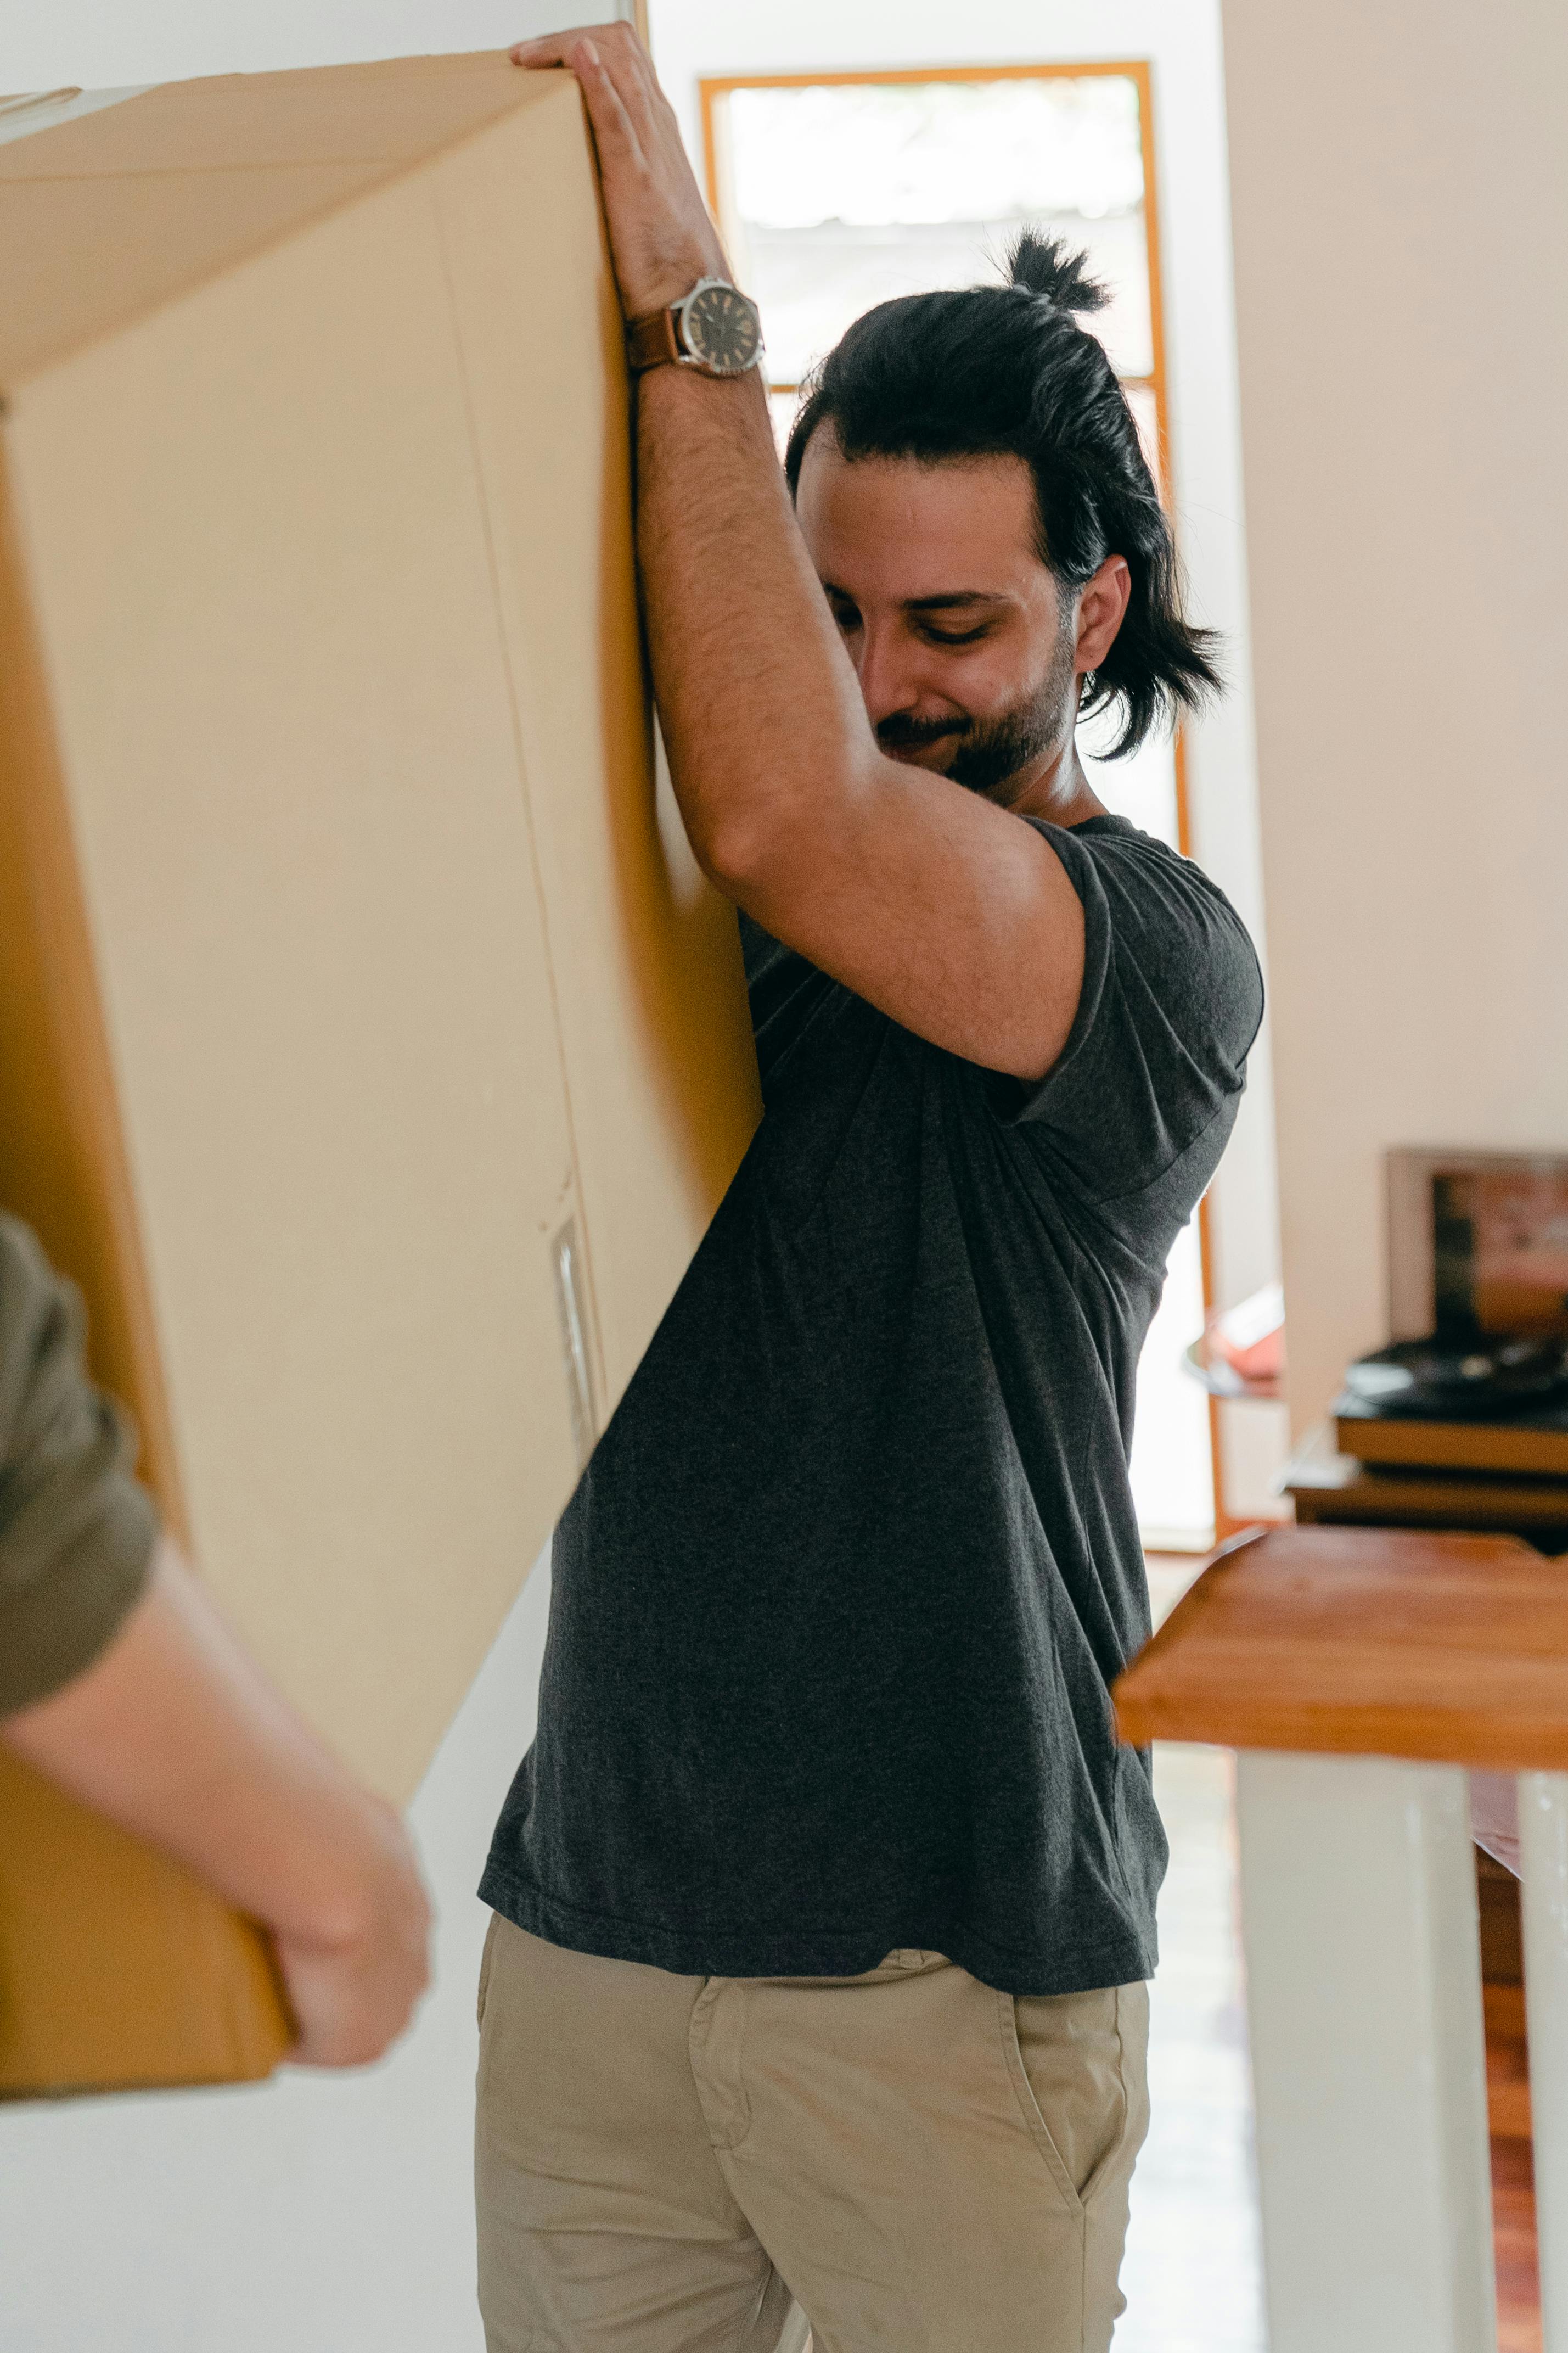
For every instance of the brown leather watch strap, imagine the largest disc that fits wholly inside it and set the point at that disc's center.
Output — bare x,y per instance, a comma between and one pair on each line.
651,340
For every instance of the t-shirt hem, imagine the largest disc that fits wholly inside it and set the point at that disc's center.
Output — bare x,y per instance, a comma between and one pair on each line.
814,1953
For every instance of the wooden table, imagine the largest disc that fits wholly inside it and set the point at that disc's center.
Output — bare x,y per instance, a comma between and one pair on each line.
1358,1670
1333,1490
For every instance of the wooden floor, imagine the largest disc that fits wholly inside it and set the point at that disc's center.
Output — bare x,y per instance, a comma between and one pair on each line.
1508,2102
1513,2233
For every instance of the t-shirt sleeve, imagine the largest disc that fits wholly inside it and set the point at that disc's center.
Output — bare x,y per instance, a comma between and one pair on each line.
77,1533
1171,1004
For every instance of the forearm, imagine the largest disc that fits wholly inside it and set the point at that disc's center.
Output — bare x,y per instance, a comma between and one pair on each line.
760,713
175,1734
155,1717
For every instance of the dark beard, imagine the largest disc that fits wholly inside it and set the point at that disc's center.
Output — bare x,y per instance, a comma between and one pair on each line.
988,751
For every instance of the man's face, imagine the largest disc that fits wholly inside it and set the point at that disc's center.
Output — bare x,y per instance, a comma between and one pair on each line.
964,647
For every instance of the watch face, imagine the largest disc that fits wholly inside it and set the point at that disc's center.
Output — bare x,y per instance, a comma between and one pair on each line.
722,330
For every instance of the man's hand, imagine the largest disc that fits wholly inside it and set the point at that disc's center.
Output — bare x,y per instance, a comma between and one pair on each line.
661,237
175,1733
352,1987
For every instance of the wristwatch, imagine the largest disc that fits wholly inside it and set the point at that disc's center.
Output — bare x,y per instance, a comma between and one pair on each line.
715,328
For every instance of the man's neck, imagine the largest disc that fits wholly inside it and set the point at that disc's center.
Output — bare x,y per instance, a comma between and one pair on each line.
1053,787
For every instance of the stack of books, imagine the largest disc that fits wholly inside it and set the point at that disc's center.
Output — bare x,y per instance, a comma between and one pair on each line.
1443,1471
1530,1444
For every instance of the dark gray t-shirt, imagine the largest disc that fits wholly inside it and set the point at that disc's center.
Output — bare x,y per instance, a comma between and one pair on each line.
839,1599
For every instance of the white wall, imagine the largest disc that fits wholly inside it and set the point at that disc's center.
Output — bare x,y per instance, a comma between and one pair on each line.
1400,185
101,44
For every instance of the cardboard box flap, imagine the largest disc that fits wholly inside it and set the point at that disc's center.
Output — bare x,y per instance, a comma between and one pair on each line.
345,114
109,214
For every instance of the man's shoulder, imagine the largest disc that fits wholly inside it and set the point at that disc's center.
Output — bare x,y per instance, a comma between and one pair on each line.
1168,920
1136,861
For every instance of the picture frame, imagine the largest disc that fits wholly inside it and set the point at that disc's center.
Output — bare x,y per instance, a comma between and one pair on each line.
1478,1242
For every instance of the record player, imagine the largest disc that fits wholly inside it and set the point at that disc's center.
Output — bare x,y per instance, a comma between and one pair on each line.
1479,1270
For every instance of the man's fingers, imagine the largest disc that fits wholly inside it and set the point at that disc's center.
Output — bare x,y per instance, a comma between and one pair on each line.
660,235
636,66
612,57
615,134
550,48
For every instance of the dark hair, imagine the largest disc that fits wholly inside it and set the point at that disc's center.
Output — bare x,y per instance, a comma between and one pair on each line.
992,370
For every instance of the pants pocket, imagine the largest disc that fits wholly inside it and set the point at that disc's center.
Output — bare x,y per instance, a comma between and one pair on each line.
1078,2068
484,1968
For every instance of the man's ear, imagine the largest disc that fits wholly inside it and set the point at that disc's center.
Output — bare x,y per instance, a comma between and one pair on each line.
1102,604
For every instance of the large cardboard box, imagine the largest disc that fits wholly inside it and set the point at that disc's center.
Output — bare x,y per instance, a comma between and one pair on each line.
370,1051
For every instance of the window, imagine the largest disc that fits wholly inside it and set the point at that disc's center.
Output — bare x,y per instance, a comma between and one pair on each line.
837,194
838,191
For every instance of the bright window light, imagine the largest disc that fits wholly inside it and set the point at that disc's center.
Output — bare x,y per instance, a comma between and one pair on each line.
838,195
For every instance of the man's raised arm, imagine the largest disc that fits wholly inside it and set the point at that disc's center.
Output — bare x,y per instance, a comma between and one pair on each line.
934,904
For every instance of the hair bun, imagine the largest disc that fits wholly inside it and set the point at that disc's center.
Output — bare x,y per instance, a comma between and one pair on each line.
1048,266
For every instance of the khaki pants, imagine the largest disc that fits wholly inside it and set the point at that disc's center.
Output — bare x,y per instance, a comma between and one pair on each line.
664,2163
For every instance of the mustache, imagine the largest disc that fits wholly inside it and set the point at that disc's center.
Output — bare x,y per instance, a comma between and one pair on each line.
899,732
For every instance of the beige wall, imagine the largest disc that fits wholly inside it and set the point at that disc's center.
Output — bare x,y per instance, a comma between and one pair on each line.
1399,197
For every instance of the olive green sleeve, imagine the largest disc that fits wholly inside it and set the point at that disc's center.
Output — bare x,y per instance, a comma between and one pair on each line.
77,1533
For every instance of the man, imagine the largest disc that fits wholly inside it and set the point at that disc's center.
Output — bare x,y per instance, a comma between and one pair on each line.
826,1896
119,1681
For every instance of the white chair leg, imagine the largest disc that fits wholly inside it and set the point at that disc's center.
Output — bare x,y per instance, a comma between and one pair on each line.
1368,2055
